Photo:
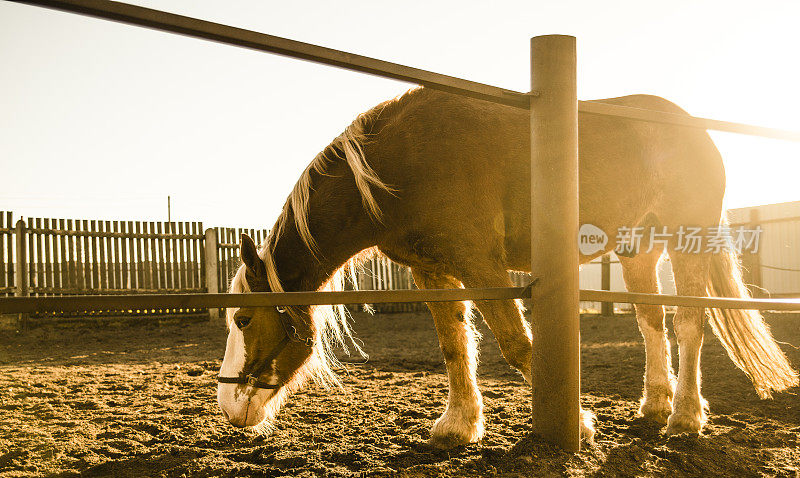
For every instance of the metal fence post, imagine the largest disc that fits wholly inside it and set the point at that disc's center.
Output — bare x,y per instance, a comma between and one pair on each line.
22,290
606,308
555,364
212,264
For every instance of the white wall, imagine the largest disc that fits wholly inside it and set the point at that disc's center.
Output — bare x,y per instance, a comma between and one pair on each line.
779,248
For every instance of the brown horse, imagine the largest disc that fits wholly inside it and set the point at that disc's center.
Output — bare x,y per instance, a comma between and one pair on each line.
441,183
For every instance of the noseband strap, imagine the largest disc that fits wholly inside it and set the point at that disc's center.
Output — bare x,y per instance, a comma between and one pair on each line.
290,335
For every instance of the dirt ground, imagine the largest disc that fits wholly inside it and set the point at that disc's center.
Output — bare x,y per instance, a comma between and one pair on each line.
139,400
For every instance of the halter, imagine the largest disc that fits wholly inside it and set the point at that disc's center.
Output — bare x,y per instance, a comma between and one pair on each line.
290,335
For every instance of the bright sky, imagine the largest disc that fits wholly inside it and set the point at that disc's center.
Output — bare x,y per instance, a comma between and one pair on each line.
102,120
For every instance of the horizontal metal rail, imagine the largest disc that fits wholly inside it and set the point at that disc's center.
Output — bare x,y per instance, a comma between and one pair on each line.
653,116
256,299
24,305
761,222
786,304
196,28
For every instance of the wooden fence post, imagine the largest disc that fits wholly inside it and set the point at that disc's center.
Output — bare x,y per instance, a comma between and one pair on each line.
22,267
212,278
555,363
754,258
606,308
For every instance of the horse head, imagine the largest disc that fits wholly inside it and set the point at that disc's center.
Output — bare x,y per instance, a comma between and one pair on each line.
266,351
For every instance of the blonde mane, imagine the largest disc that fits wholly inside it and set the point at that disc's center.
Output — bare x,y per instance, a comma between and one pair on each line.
350,142
330,322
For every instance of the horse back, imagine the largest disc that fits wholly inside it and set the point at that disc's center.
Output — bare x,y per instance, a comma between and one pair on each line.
461,171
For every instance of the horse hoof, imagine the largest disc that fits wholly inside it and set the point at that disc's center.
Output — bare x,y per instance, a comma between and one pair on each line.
456,428
677,424
658,413
446,442
658,417
451,439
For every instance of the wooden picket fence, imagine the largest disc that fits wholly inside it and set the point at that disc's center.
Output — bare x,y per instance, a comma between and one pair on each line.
112,257
7,284
89,257
58,257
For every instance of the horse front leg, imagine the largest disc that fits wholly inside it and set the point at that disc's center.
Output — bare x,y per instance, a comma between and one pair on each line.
462,421
512,332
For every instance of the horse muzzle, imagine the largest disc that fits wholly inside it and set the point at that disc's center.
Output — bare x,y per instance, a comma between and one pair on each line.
241,405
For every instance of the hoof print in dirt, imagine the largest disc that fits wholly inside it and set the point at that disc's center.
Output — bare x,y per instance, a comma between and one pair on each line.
728,421
493,394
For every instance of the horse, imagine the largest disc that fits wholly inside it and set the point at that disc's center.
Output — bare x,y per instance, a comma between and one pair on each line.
441,183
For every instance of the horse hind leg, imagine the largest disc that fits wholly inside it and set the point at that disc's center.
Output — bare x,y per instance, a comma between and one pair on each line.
691,273
640,275
462,421
513,334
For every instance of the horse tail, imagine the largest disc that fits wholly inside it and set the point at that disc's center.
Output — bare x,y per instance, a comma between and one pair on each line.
744,334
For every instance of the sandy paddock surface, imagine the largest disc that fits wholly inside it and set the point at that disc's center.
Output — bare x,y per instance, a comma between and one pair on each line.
139,400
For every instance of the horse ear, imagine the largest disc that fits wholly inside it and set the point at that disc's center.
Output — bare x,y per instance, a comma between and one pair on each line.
254,264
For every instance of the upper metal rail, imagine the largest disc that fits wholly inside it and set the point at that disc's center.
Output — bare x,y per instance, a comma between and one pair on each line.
653,116
196,28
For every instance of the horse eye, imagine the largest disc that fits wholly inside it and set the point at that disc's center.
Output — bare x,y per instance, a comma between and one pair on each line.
242,321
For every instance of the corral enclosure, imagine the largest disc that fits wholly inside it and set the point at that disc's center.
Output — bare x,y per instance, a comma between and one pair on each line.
560,384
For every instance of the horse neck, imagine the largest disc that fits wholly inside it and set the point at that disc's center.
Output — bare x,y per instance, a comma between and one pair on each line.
339,225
